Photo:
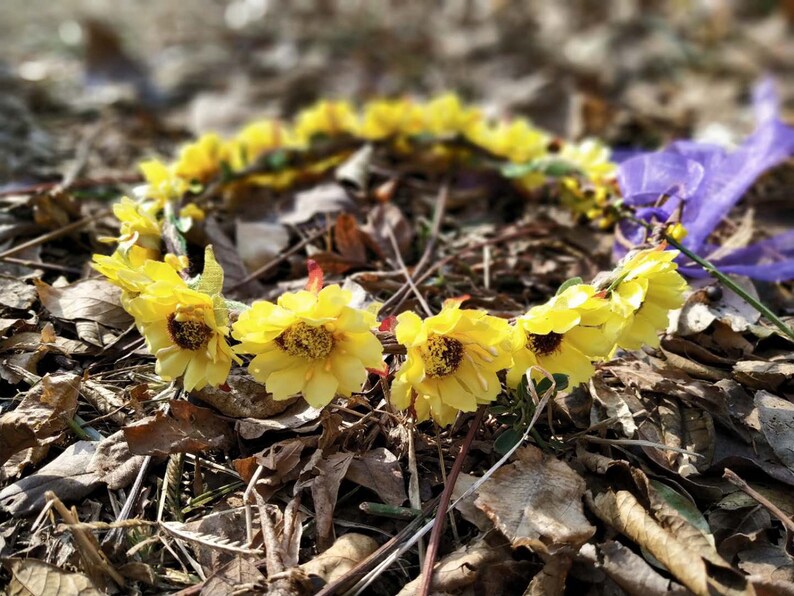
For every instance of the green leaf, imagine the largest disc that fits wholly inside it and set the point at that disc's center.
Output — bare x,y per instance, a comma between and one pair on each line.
211,280
543,385
507,440
561,380
568,283
685,507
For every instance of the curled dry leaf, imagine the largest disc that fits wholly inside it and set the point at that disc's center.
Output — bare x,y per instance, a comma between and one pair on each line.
42,413
537,502
382,218
113,463
237,577
185,429
88,300
777,423
31,577
699,312
628,570
614,405
300,417
759,374
345,553
379,471
320,200
16,294
244,398
67,476
329,470
462,568
550,581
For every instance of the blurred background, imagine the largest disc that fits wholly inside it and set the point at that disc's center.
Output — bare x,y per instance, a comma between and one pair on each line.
120,80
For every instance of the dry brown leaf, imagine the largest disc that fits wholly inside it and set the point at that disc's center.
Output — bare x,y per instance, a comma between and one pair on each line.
777,423
462,568
379,471
31,577
767,561
16,294
259,242
550,581
243,398
320,200
329,470
382,218
537,502
300,417
614,406
238,577
628,570
89,300
42,413
113,463
20,460
759,374
185,429
348,239
698,314
67,476
341,557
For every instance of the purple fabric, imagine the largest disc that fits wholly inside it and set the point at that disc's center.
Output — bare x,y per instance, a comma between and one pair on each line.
708,182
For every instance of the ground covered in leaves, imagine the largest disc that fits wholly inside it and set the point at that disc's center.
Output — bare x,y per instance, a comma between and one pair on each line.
114,480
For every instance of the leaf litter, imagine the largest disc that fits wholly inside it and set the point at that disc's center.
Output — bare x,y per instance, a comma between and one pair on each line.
226,490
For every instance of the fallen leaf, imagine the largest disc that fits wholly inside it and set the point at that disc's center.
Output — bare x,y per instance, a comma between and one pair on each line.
347,238
234,271
461,569
67,476
185,429
537,502
759,374
341,557
777,424
42,413
382,218
379,471
93,299
614,406
259,242
300,417
243,398
324,477
628,570
113,463
320,200
20,460
16,294
699,312
238,577
550,581
31,577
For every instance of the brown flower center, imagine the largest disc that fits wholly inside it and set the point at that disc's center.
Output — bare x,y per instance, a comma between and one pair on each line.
442,355
306,341
190,334
544,345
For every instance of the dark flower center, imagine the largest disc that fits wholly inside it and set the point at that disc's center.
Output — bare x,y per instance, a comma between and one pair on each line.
544,345
442,355
306,341
188,335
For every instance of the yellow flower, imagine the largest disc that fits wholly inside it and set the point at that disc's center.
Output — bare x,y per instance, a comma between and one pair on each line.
516,140
564,335
387,118
647,287
452,362
258,138
677,231
311,342
192,211
446,115
138,225
328,118
123,268
186,329
591,157
201,160
162,184
590,200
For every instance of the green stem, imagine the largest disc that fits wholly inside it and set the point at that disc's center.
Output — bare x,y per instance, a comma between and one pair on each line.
727,282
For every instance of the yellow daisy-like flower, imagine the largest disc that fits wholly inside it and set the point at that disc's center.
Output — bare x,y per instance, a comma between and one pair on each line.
123,268
516,140
388,118
329,118
311,342
648,287
446,115
201,160
138,225
564,335
452,362
258,138
591,157
186,329
162,183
